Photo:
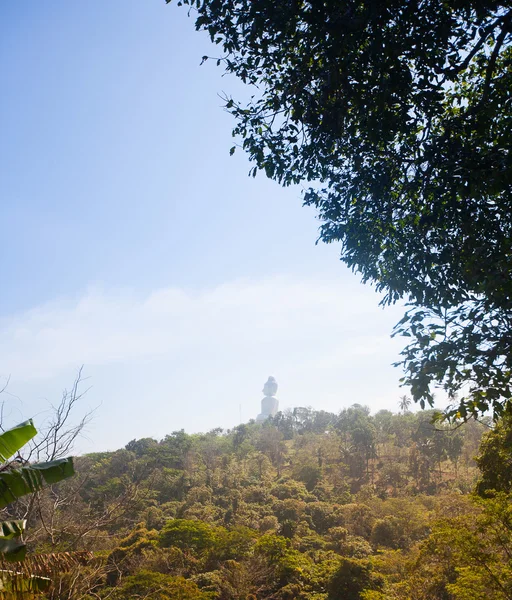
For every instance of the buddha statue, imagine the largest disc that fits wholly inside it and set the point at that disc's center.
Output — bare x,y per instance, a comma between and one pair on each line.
269,404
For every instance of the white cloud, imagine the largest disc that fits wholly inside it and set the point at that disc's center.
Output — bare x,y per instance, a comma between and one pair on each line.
105,327
325,341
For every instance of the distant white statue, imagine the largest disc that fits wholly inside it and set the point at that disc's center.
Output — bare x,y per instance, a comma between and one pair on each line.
269,404
270,387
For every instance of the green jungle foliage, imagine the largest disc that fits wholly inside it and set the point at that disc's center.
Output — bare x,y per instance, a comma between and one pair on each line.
309,505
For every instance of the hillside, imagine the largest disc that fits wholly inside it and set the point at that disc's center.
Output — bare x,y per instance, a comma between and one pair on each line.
308,505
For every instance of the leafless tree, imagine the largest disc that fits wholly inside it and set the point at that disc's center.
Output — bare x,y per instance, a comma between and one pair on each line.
56,439
58,435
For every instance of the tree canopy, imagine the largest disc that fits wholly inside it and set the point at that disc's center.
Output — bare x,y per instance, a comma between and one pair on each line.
399,114
368,507
308,505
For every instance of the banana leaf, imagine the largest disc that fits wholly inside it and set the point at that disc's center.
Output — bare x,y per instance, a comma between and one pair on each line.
15,483
14,439
12,549
11,529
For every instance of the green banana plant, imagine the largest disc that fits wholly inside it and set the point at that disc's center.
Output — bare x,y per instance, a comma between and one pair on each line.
17,481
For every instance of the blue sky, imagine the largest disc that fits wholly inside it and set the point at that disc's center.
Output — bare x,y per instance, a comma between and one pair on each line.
134,244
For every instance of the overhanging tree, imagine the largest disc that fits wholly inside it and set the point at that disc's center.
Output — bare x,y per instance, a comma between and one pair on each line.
399,113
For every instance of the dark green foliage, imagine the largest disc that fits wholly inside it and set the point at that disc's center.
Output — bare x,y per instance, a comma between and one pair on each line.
358,435
352,578
386,532
310,474
235,544
289,489
495,459
400,112
467,555
157,586
187,535
120,561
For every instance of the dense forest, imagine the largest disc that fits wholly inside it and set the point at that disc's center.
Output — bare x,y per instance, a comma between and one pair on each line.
308,505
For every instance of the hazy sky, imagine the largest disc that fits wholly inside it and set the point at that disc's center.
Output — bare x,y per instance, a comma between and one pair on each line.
134,244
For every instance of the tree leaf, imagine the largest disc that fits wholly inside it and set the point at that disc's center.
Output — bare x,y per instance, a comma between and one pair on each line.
13,550
12,529
26,480
14,439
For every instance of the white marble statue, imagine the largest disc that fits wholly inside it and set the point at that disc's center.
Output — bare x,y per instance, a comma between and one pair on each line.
269,404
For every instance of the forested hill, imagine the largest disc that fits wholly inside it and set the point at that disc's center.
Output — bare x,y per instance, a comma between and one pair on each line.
309,505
